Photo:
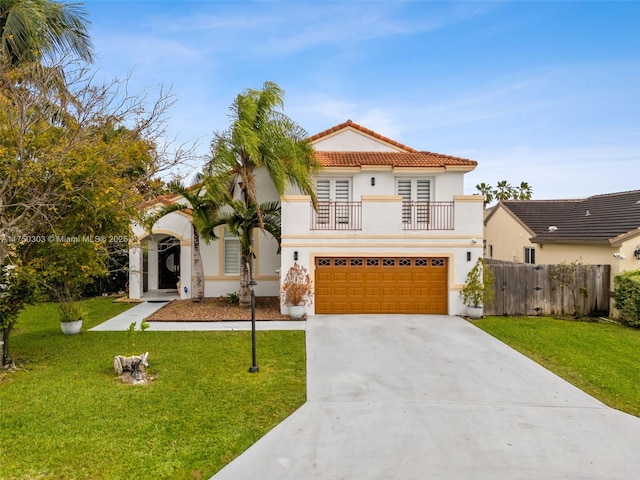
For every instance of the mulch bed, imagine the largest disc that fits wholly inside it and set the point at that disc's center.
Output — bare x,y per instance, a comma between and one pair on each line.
217,310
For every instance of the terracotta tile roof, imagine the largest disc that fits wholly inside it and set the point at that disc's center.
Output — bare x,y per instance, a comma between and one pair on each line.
394,159
362,129
597,219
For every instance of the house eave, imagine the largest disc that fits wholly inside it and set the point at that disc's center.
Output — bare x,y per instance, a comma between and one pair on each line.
620,239
571,241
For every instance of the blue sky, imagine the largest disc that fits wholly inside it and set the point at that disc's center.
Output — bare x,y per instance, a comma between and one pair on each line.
542,92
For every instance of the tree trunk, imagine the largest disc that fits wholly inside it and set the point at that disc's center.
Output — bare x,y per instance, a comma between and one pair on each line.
6,360
198,271
244,295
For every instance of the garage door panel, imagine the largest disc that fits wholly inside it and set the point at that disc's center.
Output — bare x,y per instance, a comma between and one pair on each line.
381,285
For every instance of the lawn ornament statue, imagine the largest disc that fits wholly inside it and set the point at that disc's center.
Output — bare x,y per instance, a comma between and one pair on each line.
131,369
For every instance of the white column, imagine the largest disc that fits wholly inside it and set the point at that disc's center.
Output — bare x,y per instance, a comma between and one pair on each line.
152,264
135,272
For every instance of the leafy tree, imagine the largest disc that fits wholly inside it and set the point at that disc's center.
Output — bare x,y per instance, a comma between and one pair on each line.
71,173
261,136
16,289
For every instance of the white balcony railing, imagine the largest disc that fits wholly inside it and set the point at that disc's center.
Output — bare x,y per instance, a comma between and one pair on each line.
334,215
337,216
427,215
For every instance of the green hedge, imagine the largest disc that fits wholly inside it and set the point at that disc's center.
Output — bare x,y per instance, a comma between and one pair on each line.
627,296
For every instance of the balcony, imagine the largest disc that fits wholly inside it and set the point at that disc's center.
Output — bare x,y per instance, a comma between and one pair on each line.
337,216
427,215
421,216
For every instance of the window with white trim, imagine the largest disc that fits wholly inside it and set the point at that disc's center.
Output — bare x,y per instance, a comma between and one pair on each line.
529,255
231,254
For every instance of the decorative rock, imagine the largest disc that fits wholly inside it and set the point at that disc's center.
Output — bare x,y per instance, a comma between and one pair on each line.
131,369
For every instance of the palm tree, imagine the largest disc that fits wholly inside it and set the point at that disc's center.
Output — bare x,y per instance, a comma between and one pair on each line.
30,30
486,190
504,190
524,191
261,136
205,198
242,221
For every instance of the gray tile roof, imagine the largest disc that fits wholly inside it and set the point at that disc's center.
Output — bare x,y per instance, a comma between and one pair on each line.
597,219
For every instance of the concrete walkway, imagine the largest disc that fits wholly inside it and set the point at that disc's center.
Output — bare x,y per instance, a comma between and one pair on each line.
433,397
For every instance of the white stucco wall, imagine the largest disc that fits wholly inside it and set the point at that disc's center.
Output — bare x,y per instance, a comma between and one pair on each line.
351,140
382,234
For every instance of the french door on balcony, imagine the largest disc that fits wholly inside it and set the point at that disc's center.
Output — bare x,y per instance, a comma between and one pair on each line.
334,195
416,195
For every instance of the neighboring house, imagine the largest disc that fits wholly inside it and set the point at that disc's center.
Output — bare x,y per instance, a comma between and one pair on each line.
599,230
393,232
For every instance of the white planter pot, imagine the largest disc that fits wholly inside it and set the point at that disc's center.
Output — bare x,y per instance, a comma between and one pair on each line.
296,311
71,328
474,312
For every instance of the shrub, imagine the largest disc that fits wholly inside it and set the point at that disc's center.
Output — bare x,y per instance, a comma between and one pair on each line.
478,289
627,296
71,311
296,288
231,298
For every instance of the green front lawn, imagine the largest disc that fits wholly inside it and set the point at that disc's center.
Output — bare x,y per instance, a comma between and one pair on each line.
601,359
65,415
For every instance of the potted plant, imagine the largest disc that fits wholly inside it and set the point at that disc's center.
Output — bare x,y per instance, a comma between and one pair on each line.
478,289
296,290
71,317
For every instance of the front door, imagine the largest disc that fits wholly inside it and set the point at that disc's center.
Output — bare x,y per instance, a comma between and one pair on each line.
168,263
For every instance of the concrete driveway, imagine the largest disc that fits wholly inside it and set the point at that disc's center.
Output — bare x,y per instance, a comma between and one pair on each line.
433,397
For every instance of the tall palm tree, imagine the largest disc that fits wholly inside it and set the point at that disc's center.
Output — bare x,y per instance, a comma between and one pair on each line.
504,190
30,30
524,191
486,190
261,136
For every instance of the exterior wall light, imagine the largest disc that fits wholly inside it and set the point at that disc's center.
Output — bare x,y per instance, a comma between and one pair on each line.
636,253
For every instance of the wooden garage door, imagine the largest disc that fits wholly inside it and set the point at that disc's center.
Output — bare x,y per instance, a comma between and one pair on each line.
381,285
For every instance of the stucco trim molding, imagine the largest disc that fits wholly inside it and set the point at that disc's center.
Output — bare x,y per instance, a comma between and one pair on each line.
295,198
468,198
382,198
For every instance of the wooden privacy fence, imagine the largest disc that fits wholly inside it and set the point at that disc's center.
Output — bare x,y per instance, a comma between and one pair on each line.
524,289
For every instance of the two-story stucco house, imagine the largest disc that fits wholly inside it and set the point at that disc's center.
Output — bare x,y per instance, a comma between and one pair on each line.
393,232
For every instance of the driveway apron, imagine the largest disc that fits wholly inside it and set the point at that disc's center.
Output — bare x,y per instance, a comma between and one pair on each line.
434,397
